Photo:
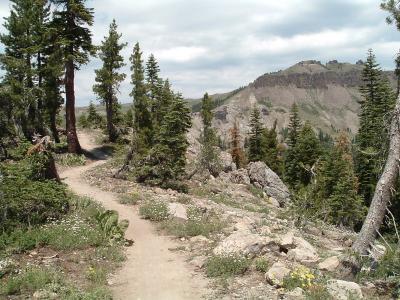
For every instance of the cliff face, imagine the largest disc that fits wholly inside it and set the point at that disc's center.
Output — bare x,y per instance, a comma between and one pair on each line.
327,96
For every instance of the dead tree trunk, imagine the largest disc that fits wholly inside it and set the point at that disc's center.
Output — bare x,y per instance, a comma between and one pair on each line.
384,188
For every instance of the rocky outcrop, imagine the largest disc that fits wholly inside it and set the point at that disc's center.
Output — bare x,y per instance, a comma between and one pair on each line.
227,162
277,273
242,242
177,211
239,176
263,177
344,290
330,264
298,249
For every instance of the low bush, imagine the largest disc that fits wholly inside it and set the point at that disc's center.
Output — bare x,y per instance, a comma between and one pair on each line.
131,199
226,266
28,203
154,211
70,159
198,223
300,277
261,264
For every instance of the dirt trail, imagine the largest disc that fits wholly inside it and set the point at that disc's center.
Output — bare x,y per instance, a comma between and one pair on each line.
151,271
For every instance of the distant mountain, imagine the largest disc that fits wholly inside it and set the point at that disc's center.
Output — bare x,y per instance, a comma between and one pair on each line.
327,95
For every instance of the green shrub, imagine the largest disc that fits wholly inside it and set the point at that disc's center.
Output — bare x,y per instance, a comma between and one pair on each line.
131,199
71,159
198,223
261,264
300,277
154,211
28,203
97,275
29,280
226,266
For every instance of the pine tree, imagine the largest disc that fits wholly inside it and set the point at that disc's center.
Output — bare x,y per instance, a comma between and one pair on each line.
165,165
93,118
372,138
72,21
141,105
22,62
308,150
335,191
291,168
272,158
237,152
257,145
154,87
108,78
209,153
294,125
128,118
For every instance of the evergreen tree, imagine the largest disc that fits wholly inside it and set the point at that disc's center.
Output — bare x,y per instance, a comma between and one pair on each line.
93,118
209,152
22,62
71,22
257,145
336,186
291,161
307,151
372,138
128,118
237,152
108,78
272,158
166,161
141,105
294,125
154,88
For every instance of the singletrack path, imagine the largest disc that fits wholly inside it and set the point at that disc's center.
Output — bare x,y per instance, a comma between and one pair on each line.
151,271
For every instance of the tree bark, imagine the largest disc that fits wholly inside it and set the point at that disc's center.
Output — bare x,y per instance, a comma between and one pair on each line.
72,137
53,127
384,188
112,131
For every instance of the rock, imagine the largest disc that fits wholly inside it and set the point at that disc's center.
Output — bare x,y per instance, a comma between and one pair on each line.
344,290
276,273
304,251
310,229
287,241
177,210
227,162
377,252
43,294
198,261
270,182
273,202
348,243
242,242
239,176
330,264
296,294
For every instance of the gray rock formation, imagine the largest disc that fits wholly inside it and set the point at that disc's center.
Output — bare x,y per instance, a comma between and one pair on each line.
262,176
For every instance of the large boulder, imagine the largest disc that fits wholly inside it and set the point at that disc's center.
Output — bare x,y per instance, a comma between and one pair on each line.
242,242
177,210
239,176
277,273
227,162
298,249
262,176
330,264
344,290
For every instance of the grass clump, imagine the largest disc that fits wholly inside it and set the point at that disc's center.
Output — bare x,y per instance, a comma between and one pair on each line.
29,280
198,223
261,264
255,191
70,159
184,199
226,266
154,211
131,198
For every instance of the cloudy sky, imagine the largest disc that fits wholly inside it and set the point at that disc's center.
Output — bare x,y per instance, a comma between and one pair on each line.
219,45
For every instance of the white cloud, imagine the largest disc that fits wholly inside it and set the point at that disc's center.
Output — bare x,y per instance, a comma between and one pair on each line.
219,45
